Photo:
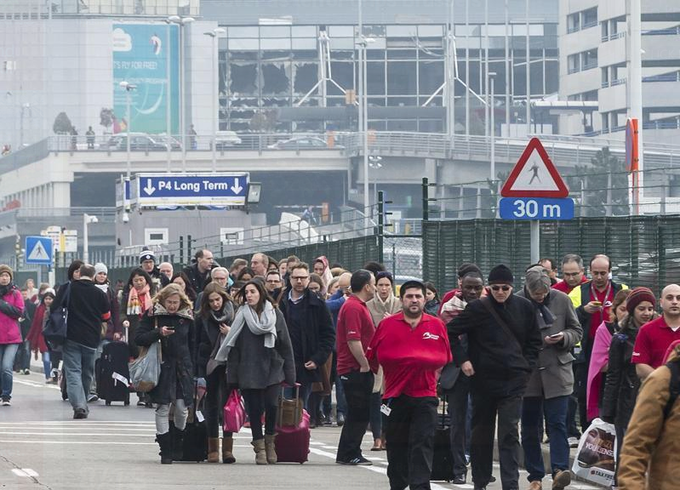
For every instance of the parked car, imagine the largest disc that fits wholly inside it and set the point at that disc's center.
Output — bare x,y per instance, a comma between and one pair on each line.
141,142
226,139
300,143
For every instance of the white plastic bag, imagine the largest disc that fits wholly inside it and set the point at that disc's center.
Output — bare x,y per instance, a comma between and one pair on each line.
595,459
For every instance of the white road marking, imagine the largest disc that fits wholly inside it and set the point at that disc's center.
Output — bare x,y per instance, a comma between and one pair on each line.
25,472
14,441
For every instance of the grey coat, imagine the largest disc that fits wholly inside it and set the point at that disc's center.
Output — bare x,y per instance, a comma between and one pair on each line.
252,366
553,375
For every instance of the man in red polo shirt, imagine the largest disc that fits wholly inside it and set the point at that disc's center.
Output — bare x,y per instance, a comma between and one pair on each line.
655,337
573,273
412,347
354,334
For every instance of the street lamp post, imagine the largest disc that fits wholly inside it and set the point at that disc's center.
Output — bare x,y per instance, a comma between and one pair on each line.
168,89
182,21
492,129
214,34
87,219
128,87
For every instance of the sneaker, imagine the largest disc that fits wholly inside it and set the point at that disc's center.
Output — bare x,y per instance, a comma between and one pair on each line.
80,413
92,398
341,419
360,461
5,402
27,372
573,442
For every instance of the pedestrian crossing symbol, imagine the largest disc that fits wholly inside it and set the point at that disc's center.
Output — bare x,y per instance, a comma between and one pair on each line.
39,250
534,175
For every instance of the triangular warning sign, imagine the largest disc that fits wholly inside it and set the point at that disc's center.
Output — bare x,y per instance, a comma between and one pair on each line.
534,175
38,252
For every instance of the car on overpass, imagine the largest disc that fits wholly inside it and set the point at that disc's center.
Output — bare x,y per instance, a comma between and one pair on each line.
142,142
300,143
226,139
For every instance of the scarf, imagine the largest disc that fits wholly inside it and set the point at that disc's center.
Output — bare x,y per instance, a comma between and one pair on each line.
104,287
138,302
225,315
378,308
542,308
159,310
5,290
246,316
327,275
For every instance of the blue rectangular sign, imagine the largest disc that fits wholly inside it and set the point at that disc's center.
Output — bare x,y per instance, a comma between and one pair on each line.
192,189
39,250
535,208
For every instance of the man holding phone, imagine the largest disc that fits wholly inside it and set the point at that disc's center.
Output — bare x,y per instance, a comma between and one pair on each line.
592,301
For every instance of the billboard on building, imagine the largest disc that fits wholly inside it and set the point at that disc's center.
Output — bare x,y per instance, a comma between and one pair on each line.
141,57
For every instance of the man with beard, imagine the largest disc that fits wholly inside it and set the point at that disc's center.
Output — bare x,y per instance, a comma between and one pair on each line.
412,347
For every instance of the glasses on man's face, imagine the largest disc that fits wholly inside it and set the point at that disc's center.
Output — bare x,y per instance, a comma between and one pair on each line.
299,278
505,289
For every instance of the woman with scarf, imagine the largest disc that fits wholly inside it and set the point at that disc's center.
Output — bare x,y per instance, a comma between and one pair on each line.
35,338
135,301
321,268
599,358
383,304
11,309
170,321
431,299
114,330
259,357
551,382
622,383
214,319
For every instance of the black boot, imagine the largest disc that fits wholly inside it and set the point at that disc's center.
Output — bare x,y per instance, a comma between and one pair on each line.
177,444
165,443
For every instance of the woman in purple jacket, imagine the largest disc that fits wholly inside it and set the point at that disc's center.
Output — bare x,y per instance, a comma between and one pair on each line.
11,309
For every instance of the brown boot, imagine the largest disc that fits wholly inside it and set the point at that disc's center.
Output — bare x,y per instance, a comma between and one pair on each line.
270,448
260,454
227,450
213,450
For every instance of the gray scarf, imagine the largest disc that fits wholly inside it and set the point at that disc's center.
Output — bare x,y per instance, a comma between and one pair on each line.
262,325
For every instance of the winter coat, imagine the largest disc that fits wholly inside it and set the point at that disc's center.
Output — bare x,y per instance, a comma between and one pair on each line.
650,459
113,325
432,307
176,380
207,335
27,318
553,375
251,365
11,309
318,335
622,383
35,337
134,320
198,280
502,365
379,308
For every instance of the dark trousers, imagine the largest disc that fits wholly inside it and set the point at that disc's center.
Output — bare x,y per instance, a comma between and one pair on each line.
260,402
458,409
484,410
580,388
216,396
555,411
376,415
409,434
358,387
23,357
620,434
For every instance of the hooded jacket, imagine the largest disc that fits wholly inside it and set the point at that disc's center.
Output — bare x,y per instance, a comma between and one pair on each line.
649,458
11,309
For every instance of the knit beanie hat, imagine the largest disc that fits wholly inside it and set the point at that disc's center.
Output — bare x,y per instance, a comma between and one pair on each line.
99,267
637,296
8,270
147,255
537,279
501,274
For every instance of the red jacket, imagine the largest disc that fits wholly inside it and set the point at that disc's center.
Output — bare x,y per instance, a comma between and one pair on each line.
35,336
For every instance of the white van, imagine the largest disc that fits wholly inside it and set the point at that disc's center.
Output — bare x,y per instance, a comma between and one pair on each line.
226,139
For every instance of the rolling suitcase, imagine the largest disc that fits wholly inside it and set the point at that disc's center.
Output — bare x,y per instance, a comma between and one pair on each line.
112,373
292,441
442,462
195,445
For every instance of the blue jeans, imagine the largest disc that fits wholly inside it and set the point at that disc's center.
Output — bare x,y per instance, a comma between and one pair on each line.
555,410
79,368
7,354
46,364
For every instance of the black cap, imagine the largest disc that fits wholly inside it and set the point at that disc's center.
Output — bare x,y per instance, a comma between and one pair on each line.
411,284
501,274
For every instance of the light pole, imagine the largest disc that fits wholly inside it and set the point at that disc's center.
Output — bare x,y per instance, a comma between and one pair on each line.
492,124
375,165
168,88
24,107
214,34
182,21
87,219
128,87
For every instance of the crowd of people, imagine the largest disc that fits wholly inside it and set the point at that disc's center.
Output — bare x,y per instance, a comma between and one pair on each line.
548,357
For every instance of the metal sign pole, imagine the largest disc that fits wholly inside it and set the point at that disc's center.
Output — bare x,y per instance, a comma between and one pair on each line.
535,242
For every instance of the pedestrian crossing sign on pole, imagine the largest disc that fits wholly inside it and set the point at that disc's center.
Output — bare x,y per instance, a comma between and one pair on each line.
39,250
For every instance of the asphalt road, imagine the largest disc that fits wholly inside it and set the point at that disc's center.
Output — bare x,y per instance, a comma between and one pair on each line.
41,446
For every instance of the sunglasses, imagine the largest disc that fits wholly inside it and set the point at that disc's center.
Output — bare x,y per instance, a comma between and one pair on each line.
501,288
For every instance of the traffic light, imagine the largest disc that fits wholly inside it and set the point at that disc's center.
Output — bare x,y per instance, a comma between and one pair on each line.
18,252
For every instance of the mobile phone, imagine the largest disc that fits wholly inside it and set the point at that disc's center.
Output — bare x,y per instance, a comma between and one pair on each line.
598,303
555,335
169,327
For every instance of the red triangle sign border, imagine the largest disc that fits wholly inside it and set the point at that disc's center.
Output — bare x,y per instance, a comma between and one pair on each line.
535,144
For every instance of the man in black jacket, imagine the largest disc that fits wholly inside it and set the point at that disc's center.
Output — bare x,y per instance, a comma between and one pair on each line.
199,272
310,327
503,345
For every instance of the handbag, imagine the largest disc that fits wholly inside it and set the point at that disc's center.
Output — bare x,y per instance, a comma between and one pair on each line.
234,412
146,369
290,411
56,327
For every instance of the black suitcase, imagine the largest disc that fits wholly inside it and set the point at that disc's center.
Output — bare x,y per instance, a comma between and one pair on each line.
195,446
442,462
112,373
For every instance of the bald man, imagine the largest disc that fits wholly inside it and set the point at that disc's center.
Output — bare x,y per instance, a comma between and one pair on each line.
655,337
259,263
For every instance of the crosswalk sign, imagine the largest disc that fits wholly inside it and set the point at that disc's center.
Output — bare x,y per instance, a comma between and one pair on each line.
39,250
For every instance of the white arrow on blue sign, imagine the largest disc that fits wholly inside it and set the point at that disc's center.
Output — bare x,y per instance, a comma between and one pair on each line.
192,189
39,250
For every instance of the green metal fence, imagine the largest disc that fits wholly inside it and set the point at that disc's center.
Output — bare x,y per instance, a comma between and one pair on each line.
645,250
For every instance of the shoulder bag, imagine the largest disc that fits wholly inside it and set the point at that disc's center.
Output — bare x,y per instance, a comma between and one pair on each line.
56,327
146,369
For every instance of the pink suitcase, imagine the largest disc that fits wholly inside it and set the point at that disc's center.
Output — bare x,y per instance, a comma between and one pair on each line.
292,443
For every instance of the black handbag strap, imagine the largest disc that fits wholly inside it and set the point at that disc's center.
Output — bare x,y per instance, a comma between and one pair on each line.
487,304
67,296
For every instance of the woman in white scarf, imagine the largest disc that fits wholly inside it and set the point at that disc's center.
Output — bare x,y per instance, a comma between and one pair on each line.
259,357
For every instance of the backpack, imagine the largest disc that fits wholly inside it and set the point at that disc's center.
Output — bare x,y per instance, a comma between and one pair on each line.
674,387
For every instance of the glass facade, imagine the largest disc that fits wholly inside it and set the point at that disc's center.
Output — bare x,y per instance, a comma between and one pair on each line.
264,68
